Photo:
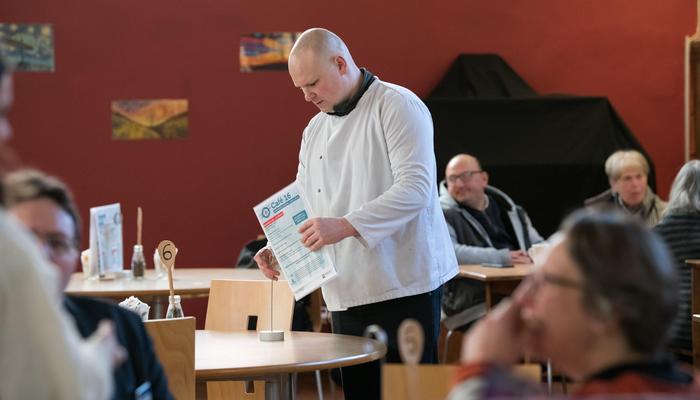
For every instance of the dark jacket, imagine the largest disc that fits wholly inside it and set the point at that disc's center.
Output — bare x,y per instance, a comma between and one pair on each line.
142,364
473,246
681,232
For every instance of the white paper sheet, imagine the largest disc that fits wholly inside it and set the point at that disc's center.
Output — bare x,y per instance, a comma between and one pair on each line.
280,216
106,247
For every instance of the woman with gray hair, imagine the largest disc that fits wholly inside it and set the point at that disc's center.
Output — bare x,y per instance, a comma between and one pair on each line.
680,228
629,191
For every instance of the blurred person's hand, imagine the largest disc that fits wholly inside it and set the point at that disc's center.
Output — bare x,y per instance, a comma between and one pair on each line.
497,339
105,344
267,262
520,257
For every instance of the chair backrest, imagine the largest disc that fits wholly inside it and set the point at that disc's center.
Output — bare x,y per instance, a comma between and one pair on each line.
425,381
428,382
694,266
173,341
236,305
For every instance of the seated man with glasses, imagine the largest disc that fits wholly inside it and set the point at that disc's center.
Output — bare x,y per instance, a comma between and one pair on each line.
45,206
600,308
486,227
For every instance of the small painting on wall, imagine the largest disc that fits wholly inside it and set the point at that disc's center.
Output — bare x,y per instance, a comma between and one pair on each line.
149,119
29,47
266,51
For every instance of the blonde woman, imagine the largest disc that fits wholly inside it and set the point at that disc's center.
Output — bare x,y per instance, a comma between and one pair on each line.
627,172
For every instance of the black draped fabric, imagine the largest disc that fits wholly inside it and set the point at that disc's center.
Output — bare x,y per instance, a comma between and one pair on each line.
546,152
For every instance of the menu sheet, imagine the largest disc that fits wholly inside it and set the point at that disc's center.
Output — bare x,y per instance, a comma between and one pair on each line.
281,215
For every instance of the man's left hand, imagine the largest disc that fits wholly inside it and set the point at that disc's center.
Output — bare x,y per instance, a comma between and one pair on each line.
318,232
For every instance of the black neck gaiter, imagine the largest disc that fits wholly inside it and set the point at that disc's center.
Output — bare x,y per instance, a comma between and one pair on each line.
345,107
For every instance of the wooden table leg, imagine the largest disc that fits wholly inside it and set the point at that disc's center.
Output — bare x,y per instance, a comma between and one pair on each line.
489,296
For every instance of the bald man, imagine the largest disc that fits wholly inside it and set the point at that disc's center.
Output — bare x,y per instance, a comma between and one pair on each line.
367,166
485,224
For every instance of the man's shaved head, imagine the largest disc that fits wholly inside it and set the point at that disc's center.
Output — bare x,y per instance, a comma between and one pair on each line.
323,43
321,66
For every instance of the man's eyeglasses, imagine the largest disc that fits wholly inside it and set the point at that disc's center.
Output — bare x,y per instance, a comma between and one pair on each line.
465,176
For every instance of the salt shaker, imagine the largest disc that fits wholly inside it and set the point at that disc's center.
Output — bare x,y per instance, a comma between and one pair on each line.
138,262
174,307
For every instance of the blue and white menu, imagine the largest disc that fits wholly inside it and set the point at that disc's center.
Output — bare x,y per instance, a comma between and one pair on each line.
280,216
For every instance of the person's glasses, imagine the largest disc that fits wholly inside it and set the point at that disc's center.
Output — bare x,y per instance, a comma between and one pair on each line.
539,279
464,177
57,243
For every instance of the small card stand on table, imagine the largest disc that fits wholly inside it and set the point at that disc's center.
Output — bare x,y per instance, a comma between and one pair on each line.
271,335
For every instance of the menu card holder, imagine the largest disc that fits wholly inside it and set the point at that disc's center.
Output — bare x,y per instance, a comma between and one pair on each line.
106,244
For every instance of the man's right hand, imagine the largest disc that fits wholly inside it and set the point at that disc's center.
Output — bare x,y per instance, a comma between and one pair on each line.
267,262
520,257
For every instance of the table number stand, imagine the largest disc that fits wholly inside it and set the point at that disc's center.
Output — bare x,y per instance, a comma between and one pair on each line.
271,335
167,253
411,340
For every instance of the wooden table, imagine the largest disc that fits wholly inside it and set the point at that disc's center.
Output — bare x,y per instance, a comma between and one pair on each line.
188,283
496,280
223,356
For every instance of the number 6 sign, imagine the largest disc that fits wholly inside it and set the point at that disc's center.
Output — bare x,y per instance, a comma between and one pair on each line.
167,252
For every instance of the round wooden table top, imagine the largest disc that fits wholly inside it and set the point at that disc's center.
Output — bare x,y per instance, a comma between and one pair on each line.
237,355
487,274
188,282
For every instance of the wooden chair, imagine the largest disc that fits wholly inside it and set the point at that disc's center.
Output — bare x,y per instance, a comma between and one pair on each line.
173,341
245,305
694,266
427,382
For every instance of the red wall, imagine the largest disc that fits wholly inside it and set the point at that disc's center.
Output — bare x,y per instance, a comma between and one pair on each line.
245,128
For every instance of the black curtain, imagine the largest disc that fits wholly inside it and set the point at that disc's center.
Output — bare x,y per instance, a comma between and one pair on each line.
546,152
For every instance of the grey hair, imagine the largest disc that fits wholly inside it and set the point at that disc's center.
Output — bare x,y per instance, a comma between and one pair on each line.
685,191
622,159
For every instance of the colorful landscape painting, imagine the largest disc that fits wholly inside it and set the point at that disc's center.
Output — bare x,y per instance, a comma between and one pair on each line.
29,47
266,51
149,119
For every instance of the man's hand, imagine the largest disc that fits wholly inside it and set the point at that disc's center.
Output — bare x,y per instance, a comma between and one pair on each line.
318,232
520,257
498,338
267,262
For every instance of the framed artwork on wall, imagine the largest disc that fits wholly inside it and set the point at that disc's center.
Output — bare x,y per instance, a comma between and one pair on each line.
29,47
266,51
149,119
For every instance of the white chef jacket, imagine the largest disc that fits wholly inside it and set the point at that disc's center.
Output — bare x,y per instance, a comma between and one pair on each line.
376,167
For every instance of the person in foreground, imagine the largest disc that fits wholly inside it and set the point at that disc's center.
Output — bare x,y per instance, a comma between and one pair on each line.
367,168
600,307
41,354
45,205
